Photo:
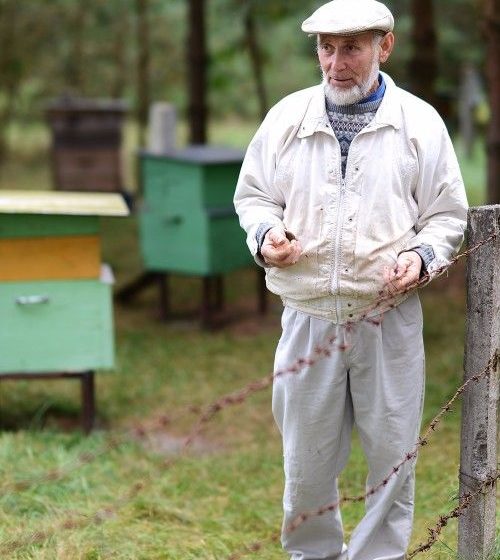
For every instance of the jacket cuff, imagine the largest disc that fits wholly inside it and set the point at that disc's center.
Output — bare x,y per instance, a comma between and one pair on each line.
260,234
426,253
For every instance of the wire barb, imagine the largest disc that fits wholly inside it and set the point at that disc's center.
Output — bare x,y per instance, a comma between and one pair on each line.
207,413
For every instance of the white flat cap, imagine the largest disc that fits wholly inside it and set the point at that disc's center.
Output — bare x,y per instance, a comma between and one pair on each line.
348,17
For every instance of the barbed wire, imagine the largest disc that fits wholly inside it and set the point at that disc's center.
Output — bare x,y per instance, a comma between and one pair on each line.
239,397
73,522
422,441
205,414
384,302
410,455
464,502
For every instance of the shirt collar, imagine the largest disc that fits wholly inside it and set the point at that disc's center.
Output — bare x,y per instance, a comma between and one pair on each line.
377,94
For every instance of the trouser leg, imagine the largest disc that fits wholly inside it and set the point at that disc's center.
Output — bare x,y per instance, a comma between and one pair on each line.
387,384
313,411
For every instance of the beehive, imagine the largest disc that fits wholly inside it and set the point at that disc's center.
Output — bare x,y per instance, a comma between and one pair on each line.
188,223
55,293
86,143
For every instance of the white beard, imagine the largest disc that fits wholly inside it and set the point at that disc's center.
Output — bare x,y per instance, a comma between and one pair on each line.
339,96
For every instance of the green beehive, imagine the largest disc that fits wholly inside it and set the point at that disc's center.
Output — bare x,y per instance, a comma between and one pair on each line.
55,294
56,326
188,223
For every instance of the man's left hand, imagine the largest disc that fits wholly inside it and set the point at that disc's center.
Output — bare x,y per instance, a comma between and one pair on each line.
405,273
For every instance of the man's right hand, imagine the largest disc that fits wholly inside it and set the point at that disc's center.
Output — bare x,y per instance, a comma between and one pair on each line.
278,250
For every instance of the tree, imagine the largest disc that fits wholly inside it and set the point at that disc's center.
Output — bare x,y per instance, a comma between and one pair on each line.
10,68
21,41
75,62
424,60
197,59
109,35
143,90
256,57
266,14
492,29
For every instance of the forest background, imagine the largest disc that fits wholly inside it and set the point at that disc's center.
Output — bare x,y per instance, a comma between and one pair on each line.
138,50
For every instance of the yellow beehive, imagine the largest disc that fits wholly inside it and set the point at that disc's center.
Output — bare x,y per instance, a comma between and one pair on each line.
53,235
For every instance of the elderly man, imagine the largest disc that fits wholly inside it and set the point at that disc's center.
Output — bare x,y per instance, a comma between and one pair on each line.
350,188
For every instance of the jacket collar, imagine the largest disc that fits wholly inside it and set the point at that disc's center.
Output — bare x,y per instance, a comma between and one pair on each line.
316,120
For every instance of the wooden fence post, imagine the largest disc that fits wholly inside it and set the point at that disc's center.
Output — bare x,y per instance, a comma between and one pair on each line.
478,455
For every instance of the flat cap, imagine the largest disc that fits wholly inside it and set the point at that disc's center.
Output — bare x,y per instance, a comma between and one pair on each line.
349,17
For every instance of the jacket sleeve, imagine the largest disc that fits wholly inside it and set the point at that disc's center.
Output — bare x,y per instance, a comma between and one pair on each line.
258,203
441,199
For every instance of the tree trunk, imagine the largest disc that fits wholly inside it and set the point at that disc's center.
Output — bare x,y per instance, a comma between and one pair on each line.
121,30
73,65
143,58
256,59
196,72
423,63
492,20
9,70
5,120
467,100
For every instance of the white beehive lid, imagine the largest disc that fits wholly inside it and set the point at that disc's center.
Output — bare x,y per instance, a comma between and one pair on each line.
63,203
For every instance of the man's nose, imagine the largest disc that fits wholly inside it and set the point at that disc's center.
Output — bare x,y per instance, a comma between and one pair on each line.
337,61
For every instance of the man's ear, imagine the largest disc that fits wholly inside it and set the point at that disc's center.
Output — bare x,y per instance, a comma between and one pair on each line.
386,46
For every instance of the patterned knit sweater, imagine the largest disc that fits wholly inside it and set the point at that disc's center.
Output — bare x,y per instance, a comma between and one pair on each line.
348,120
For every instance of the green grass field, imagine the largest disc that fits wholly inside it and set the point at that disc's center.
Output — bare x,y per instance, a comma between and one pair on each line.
226,492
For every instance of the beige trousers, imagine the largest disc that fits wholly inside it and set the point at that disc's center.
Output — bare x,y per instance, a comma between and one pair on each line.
375,384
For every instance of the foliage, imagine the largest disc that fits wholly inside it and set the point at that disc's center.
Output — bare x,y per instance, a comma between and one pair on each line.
50,48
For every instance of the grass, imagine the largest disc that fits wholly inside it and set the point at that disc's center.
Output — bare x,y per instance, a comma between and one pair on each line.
227,492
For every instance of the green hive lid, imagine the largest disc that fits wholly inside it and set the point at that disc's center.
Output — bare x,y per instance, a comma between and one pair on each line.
64,203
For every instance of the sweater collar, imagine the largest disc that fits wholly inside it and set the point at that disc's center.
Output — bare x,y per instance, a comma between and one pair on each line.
388,114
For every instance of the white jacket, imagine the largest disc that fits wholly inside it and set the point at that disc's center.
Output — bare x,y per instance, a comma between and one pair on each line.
402,189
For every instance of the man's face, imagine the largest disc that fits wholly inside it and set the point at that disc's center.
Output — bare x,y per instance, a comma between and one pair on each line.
350,66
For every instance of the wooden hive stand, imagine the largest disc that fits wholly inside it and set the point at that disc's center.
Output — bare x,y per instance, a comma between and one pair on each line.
55,294
188,225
